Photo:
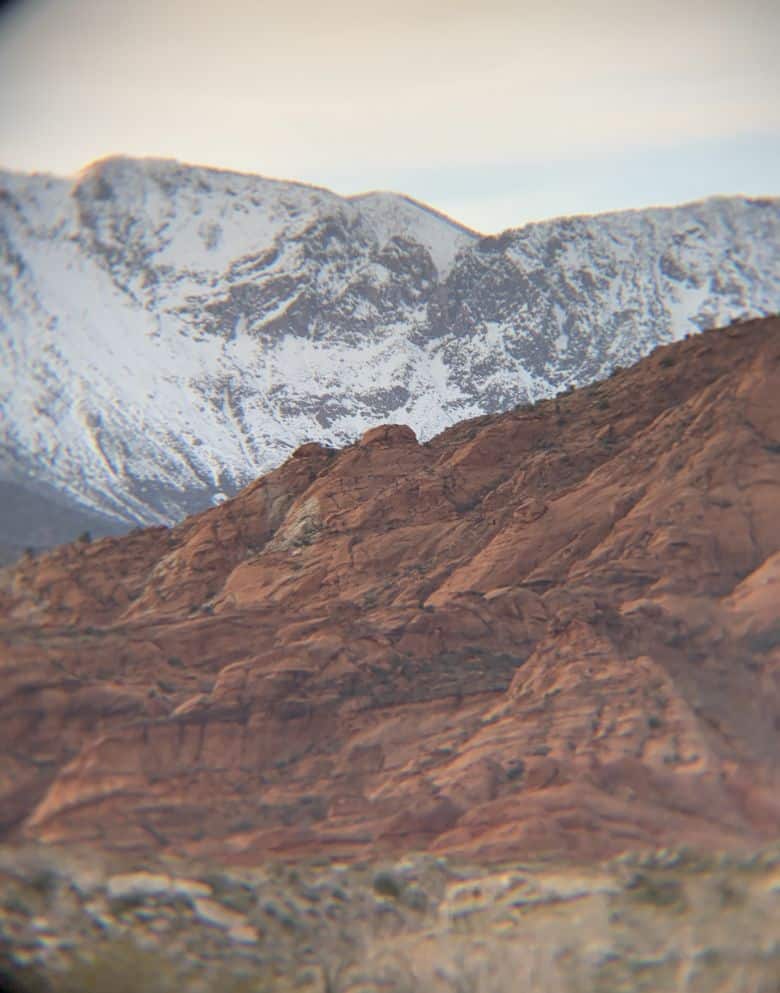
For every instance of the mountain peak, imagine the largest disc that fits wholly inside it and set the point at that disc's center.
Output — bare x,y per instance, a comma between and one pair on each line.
232,317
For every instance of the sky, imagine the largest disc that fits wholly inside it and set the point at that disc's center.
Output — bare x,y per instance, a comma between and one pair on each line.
496,112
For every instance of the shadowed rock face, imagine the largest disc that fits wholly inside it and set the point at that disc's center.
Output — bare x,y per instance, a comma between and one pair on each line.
551,631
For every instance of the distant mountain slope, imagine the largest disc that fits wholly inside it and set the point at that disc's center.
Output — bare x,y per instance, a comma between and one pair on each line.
39,517
168,332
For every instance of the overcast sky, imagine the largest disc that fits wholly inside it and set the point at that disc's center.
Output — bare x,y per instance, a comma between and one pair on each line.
496,112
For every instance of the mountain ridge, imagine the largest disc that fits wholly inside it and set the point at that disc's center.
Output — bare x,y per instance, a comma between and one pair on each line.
169,331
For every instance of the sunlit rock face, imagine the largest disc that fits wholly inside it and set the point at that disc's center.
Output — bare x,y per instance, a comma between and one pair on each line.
550,631
168,332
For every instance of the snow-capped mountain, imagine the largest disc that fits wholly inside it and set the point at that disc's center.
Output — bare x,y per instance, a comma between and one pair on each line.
169,332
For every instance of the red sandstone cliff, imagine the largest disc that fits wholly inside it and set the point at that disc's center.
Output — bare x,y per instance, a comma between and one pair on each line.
551,631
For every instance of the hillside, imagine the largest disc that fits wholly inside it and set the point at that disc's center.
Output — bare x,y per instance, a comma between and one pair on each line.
552,631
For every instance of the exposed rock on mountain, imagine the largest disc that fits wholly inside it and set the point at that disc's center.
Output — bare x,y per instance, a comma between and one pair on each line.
167,333
553,630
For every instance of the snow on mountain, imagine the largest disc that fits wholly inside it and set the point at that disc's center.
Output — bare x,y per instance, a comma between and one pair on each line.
169,332
393,216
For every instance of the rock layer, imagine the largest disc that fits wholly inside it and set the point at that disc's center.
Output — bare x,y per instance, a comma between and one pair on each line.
551,631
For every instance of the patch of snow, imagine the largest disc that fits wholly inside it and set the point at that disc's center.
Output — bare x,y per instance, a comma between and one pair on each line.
393,216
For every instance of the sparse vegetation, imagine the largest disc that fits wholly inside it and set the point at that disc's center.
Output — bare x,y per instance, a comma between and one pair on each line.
44,881
387,885
672,921
664,892
118,966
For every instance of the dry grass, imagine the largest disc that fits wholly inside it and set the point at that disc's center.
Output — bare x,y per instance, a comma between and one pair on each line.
674,923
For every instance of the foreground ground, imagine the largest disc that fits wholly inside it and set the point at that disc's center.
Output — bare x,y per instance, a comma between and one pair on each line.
672,921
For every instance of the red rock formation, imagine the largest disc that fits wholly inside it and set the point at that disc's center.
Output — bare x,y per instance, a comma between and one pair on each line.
554,631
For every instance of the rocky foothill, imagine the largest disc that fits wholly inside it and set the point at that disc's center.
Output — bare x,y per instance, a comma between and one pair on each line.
552,632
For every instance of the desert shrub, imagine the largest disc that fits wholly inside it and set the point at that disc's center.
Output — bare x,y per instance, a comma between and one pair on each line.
415,898
126,903
14,903
229,891
44,881
515,770
19,979
668,893
385,884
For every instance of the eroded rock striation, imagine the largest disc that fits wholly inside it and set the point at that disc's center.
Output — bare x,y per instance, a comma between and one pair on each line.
553,631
